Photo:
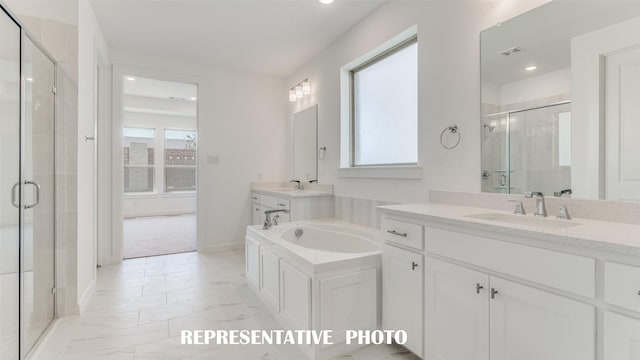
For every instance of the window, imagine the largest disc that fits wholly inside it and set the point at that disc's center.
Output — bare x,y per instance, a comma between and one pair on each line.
138,159
180,160
384,108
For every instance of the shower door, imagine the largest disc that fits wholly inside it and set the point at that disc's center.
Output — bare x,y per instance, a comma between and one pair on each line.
38,245
9,187
527,150
27,244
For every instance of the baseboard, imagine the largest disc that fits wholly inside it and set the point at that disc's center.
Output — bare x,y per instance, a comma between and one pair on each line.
222,247
84,299
42,342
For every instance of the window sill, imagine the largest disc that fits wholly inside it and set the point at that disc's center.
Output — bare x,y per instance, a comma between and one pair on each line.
382,172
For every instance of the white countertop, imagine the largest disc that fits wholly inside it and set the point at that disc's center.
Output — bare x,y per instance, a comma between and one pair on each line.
597,235
290,193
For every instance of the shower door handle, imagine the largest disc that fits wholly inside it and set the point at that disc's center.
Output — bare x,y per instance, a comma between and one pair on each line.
37,200
503,180
13,195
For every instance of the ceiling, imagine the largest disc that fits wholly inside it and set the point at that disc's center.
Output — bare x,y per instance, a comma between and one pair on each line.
545,34
261,36
140,86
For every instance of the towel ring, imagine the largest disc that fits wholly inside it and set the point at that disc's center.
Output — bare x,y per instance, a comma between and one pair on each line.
453,129
322,153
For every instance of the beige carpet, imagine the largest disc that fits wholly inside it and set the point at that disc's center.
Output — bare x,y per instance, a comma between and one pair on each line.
159,235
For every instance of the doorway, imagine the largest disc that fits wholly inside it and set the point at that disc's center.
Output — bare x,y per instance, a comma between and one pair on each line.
159,164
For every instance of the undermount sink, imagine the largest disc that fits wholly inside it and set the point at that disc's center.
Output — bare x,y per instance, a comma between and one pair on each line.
525,220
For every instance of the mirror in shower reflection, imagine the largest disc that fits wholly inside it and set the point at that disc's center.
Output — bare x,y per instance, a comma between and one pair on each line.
527,149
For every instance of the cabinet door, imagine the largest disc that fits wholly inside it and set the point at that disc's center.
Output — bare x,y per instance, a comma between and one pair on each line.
402,285
270,278
621,337
252,254
457,312
349,302
258,214
530,324
295,296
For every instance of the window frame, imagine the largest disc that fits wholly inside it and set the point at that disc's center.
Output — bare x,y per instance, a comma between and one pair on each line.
352,103
164,163
154,189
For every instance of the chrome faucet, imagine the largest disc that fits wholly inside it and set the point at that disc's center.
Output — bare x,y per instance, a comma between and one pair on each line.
541,209
298,184
268,223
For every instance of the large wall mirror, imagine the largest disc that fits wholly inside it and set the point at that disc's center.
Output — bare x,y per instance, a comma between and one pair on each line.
561,101
305,138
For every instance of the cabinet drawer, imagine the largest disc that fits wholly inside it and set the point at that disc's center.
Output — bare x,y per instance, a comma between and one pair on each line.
572,273
269,201
283,203
403,233
622,285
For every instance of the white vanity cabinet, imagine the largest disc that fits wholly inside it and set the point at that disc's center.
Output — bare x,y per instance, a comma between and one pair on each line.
621,332
307,205
485,296
500,319
457,307
621,337
471,315
403,281
531,324
262,202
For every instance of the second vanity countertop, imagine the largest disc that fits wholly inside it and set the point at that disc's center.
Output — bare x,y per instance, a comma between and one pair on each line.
290,192
593,234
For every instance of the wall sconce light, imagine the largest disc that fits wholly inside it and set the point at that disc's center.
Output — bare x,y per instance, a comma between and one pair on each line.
300,90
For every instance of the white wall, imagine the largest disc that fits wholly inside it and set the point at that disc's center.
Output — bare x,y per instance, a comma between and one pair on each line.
241,128
448,91
536,87
90,39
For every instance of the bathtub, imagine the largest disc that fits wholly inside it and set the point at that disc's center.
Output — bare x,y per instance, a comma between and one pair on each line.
317,275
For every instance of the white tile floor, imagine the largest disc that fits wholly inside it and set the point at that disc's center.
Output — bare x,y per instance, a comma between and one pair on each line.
142,304
159,235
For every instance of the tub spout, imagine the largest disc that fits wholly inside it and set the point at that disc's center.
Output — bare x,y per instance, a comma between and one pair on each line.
268,223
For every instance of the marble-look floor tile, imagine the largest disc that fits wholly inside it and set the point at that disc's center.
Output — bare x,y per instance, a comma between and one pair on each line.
141,306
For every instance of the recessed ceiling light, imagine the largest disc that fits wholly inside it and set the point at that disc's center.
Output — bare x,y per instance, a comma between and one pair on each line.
130,78
326,2
29,79
531,68
193,98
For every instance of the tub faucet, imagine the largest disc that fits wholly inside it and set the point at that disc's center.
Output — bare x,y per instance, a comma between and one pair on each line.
268,223
298,184
541,209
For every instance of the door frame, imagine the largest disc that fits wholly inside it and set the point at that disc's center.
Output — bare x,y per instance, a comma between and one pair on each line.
102,157
116,241
587,73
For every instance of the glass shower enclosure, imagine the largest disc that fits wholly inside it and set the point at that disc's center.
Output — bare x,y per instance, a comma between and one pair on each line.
527,150
27,196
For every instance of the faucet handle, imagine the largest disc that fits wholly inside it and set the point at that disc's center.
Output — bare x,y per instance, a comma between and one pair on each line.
536,194
519,210
563,212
